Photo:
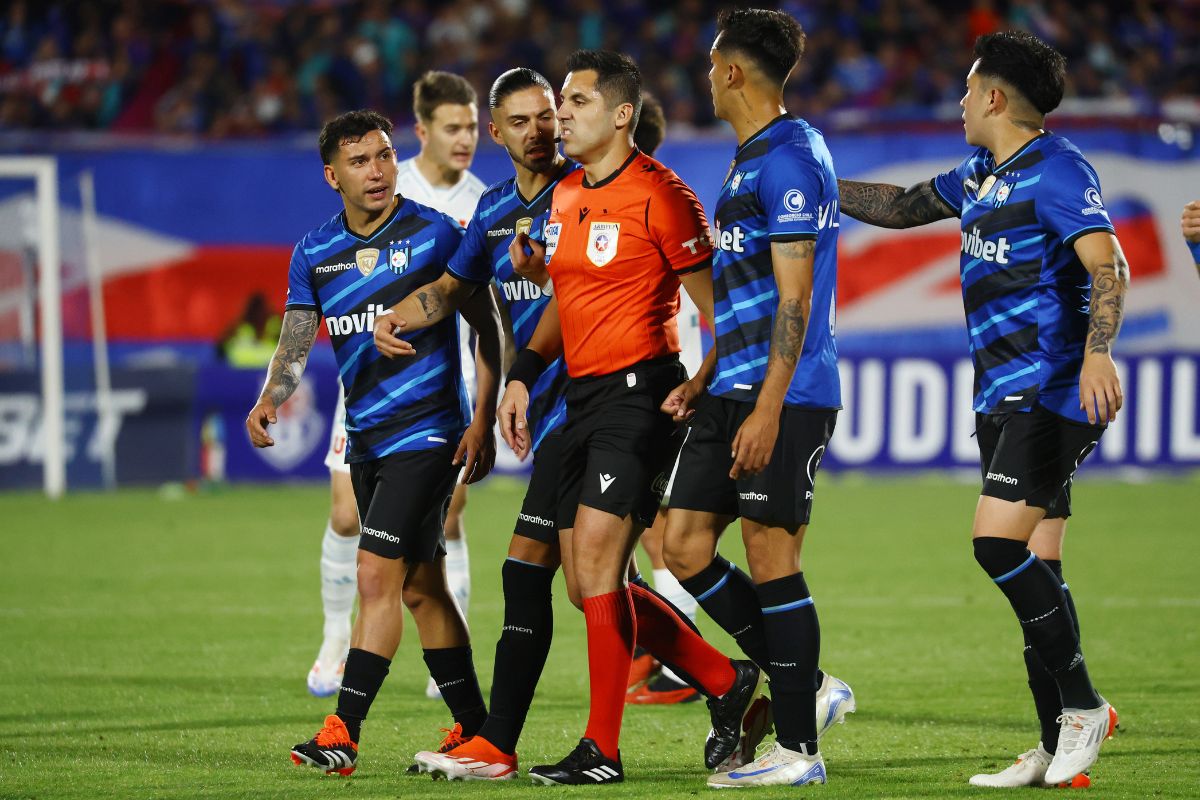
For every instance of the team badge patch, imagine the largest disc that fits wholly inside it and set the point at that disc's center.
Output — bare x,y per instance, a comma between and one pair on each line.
602,242
986,187
1002,193
553,229
399,257
737,182
524,224
366,259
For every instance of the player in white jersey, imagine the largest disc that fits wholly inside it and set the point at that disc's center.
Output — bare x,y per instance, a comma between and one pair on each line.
438,176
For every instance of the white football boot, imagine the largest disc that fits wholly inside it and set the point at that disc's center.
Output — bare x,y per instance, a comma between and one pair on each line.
1081,733
778,766
1028,770
834,701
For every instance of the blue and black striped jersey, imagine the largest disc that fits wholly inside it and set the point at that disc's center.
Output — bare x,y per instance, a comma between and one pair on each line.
412,403
781,187
502,213
1024,289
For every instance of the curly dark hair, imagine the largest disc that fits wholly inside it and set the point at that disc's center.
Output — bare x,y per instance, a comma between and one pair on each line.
1026,63
770,39
350,127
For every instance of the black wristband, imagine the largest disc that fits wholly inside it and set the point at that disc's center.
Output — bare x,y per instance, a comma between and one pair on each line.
526,368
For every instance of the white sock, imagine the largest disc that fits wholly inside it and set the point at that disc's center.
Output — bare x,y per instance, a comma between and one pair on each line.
666,585
339,585
458,571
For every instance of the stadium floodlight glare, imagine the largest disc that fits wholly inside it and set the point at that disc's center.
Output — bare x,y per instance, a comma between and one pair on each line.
43,170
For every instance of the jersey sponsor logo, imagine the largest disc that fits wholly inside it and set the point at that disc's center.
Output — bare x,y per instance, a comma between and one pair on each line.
975,246
757,497
697,243
602,242
1095,203
828,216
366,259
521,290
814,461
347,324
535,520
327,268
1000,477
730,240
553,230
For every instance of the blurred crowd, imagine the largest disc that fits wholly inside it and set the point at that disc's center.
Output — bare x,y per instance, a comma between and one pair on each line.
251,67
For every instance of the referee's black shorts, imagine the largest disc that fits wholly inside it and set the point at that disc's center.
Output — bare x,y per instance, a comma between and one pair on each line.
617,444
1032,456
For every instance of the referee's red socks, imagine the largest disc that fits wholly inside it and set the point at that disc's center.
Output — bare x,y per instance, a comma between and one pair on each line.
610,633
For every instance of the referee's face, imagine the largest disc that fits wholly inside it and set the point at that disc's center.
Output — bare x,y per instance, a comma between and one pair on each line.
589,126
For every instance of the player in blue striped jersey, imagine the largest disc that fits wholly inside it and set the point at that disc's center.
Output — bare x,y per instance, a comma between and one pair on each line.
408,423
772,395
524,123
1044,282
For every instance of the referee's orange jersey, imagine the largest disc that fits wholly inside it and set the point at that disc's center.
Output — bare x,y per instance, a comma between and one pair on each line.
615,251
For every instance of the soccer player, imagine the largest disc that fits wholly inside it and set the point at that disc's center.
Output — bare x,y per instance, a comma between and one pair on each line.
622,234
1189,223
408,428
1043,282
773,393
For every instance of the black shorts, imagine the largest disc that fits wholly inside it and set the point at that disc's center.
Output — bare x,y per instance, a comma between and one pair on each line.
782,494
1032,456
617,444
539,510
402,502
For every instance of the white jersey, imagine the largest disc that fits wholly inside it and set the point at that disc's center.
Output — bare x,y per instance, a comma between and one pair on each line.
457,202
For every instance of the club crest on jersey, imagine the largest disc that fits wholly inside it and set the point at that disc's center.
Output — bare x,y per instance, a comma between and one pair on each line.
366,259
523,225
553,229
602,242
1002,192
737,182
399,257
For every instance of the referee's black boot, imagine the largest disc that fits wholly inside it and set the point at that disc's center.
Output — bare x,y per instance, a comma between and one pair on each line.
727,711
585,766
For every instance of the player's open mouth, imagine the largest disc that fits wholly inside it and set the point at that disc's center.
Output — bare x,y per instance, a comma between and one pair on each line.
378,193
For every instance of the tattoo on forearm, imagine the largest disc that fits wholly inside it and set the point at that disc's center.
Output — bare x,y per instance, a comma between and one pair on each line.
1107,307
891,206
296,338
431,302
787,337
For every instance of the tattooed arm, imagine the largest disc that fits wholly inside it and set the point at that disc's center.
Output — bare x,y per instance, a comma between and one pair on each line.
296,339
426,306
755,439
892,206
1099,387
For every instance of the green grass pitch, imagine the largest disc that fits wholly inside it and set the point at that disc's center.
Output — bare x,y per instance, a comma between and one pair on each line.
156,647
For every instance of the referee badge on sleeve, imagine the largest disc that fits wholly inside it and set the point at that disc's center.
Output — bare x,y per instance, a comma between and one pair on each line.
602,242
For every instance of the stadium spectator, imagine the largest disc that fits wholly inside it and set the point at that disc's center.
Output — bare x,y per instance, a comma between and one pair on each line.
253,67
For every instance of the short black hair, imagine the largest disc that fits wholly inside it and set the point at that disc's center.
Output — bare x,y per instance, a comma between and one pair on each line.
618,78
516,80
652,125
436,88
1026,63
350,127
772,40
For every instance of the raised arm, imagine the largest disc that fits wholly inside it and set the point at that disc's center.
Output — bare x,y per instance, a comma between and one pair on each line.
892,206
296,337
1099,387
755,439
426,306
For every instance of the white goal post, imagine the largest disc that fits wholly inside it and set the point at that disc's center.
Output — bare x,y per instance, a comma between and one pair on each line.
43,170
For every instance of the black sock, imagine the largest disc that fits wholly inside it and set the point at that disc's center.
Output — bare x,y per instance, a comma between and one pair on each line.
794,643
361,680
727,595
454,673
1042,686
1036,595
521,651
